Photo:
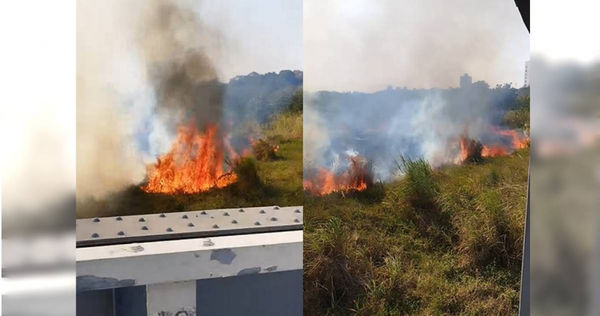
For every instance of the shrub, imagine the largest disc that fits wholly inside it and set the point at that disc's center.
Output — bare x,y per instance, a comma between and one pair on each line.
265,151
247,175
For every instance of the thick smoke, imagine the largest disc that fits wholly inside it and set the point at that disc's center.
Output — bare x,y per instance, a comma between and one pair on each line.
173,43
142,69
362,45
383,125
107,72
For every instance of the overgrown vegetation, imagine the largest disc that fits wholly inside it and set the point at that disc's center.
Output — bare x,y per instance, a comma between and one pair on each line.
445,241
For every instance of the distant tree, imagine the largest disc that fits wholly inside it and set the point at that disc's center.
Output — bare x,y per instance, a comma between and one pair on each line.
296,102
523,102
519,116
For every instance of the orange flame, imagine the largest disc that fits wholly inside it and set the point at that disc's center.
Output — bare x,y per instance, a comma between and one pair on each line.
493,151
466,147
469,147
519,141
193,164
325,182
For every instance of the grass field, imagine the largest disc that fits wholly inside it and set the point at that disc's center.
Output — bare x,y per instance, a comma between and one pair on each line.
280,183
436,242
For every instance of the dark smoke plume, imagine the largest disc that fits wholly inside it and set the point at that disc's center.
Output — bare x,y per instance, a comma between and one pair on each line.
143,68
185,79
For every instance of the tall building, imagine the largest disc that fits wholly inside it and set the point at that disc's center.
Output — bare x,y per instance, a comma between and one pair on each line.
526,80
465,81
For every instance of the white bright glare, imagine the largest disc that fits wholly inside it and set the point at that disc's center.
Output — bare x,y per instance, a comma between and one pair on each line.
558,28
37,133
37,108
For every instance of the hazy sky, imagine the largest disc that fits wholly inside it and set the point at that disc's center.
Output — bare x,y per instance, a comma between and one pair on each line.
257,35
364,45
563,41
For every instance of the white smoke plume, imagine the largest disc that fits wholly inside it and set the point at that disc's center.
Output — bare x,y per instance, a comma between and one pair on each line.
142,67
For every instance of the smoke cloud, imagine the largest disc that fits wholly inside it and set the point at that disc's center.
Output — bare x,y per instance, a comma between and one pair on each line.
173,43
379,76
383,125
364,45
142,69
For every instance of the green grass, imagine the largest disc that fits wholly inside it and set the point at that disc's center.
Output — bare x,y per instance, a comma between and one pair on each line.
456,250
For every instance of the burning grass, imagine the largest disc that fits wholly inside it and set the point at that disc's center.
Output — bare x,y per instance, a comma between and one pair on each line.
471,150
193,164
281,184
210,179
444,241
358,177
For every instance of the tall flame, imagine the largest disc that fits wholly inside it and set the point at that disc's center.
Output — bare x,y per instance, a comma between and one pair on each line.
356,178
193,164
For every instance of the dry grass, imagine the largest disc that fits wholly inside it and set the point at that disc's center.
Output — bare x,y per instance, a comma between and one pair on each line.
454,251
285,126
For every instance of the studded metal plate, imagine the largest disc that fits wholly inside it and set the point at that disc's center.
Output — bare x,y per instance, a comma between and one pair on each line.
205,223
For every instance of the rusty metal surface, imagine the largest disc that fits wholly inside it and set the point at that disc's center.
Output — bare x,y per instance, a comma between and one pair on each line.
193,224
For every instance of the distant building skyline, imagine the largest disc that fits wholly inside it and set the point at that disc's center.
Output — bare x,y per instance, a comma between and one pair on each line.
465,81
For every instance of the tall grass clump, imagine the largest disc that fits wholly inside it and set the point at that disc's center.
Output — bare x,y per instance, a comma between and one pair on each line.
335,272
247,175
419,203
491,237
486,204
421,188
